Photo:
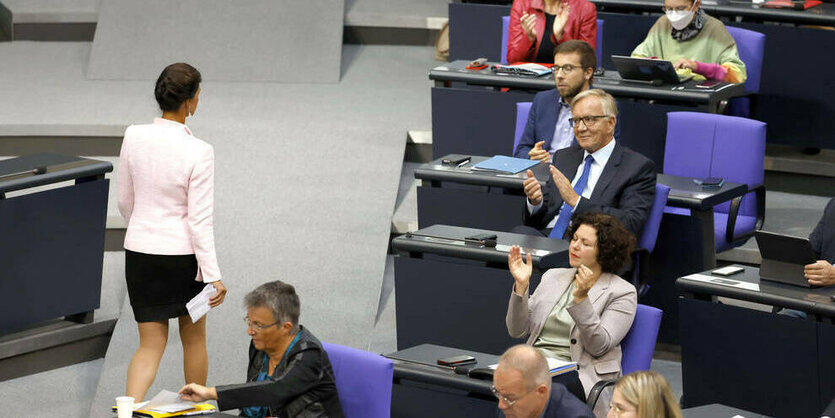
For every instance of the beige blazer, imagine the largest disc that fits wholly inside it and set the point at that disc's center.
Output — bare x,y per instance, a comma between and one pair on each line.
600,321
166,193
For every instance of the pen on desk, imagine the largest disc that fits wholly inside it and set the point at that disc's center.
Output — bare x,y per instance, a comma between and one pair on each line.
463,163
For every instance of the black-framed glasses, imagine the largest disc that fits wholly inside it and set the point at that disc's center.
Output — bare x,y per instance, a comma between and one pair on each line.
257,327
504,399
589,121
566,69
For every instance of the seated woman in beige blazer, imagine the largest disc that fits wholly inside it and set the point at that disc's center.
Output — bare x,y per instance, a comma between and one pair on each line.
580,313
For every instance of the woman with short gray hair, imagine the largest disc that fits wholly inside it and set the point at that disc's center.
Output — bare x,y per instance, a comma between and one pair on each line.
289,374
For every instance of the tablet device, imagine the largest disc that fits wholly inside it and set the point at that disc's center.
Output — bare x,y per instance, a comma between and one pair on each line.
783,257
648,70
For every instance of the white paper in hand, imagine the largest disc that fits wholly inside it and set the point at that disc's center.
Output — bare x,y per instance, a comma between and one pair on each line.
199,305
168,402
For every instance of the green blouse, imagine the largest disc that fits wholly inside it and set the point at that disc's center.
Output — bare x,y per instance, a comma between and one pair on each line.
555,339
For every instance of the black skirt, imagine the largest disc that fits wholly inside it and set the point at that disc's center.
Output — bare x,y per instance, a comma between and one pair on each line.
159,286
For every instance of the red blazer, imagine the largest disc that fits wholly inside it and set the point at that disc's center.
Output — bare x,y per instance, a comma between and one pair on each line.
582,25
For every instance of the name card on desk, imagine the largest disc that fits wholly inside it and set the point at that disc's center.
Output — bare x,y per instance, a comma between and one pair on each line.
724,282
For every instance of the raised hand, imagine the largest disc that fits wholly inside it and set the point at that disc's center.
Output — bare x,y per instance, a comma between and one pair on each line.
561,20
519,269
529,26
564,187
532,189
537,153
584,280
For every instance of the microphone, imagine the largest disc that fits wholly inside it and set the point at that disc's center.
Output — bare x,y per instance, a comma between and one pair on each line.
35,171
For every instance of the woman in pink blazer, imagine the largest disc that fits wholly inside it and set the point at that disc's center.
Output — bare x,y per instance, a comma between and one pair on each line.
166,193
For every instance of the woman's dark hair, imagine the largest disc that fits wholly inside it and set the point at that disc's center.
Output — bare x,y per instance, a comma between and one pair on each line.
614,241
177,83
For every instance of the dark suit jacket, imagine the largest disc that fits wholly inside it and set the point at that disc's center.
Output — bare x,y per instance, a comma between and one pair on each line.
542,120
302,385
625,190
823,237
562,404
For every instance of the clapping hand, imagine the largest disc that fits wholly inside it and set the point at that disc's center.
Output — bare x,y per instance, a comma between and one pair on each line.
584,279
529,26
519,269
533,190
567,192
537,153
561,20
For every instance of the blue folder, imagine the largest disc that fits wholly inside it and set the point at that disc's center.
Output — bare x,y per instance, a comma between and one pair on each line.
504,164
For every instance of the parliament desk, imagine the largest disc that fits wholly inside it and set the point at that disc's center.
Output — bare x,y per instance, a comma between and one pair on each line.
685,244
455,294
53,210
795,100
760,361
423,390
471,115
718,411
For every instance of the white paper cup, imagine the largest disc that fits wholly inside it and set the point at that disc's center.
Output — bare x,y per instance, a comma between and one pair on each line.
124,406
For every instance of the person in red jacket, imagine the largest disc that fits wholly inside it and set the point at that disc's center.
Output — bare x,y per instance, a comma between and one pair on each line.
537,26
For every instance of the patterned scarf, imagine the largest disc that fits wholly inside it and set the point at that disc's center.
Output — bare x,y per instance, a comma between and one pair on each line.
691,30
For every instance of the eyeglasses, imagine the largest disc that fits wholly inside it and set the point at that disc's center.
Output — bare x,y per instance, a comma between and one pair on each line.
666,9
589,121
504,399
566,69
257,327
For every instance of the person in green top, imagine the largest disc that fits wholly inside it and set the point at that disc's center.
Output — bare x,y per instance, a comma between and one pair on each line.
694,42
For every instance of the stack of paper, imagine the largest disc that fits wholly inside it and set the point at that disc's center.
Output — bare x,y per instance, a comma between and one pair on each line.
199,305
558,367
168,404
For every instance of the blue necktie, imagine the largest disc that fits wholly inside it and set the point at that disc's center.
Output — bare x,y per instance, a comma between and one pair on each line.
565,212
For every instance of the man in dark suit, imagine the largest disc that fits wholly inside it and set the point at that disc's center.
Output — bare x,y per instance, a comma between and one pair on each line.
547,129
822,272
522,384
596,175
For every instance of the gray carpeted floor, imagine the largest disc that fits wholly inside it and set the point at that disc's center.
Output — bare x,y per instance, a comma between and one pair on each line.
306,182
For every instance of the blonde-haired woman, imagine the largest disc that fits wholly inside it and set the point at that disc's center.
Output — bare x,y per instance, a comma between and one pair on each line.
644,394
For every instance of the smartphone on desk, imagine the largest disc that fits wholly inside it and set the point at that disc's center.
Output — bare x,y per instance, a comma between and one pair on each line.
457,360
708,84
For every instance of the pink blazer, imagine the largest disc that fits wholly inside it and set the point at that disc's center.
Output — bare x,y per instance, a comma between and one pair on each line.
166,193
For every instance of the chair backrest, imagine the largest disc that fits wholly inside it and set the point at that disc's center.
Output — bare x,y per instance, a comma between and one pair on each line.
363,381
708,145
639,343
751,46
599,47
522,110
505,29
650,232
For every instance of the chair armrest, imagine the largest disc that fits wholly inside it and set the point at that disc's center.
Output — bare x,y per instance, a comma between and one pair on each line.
596,390
733,211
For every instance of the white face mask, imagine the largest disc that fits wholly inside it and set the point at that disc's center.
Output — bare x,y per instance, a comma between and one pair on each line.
680,19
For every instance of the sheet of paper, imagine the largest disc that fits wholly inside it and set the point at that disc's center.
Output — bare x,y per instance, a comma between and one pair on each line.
168,402
558,364
199,305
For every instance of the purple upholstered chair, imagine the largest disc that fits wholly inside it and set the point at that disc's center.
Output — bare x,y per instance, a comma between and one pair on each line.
751,46
598,48
522,110
505,29
708,145
646,242
639,343
637,346
363,380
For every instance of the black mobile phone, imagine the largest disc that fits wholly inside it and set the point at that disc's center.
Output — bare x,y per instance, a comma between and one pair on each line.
485,239
708,84
455,160
457,360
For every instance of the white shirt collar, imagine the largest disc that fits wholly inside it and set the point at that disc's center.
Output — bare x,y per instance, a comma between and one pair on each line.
602,155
